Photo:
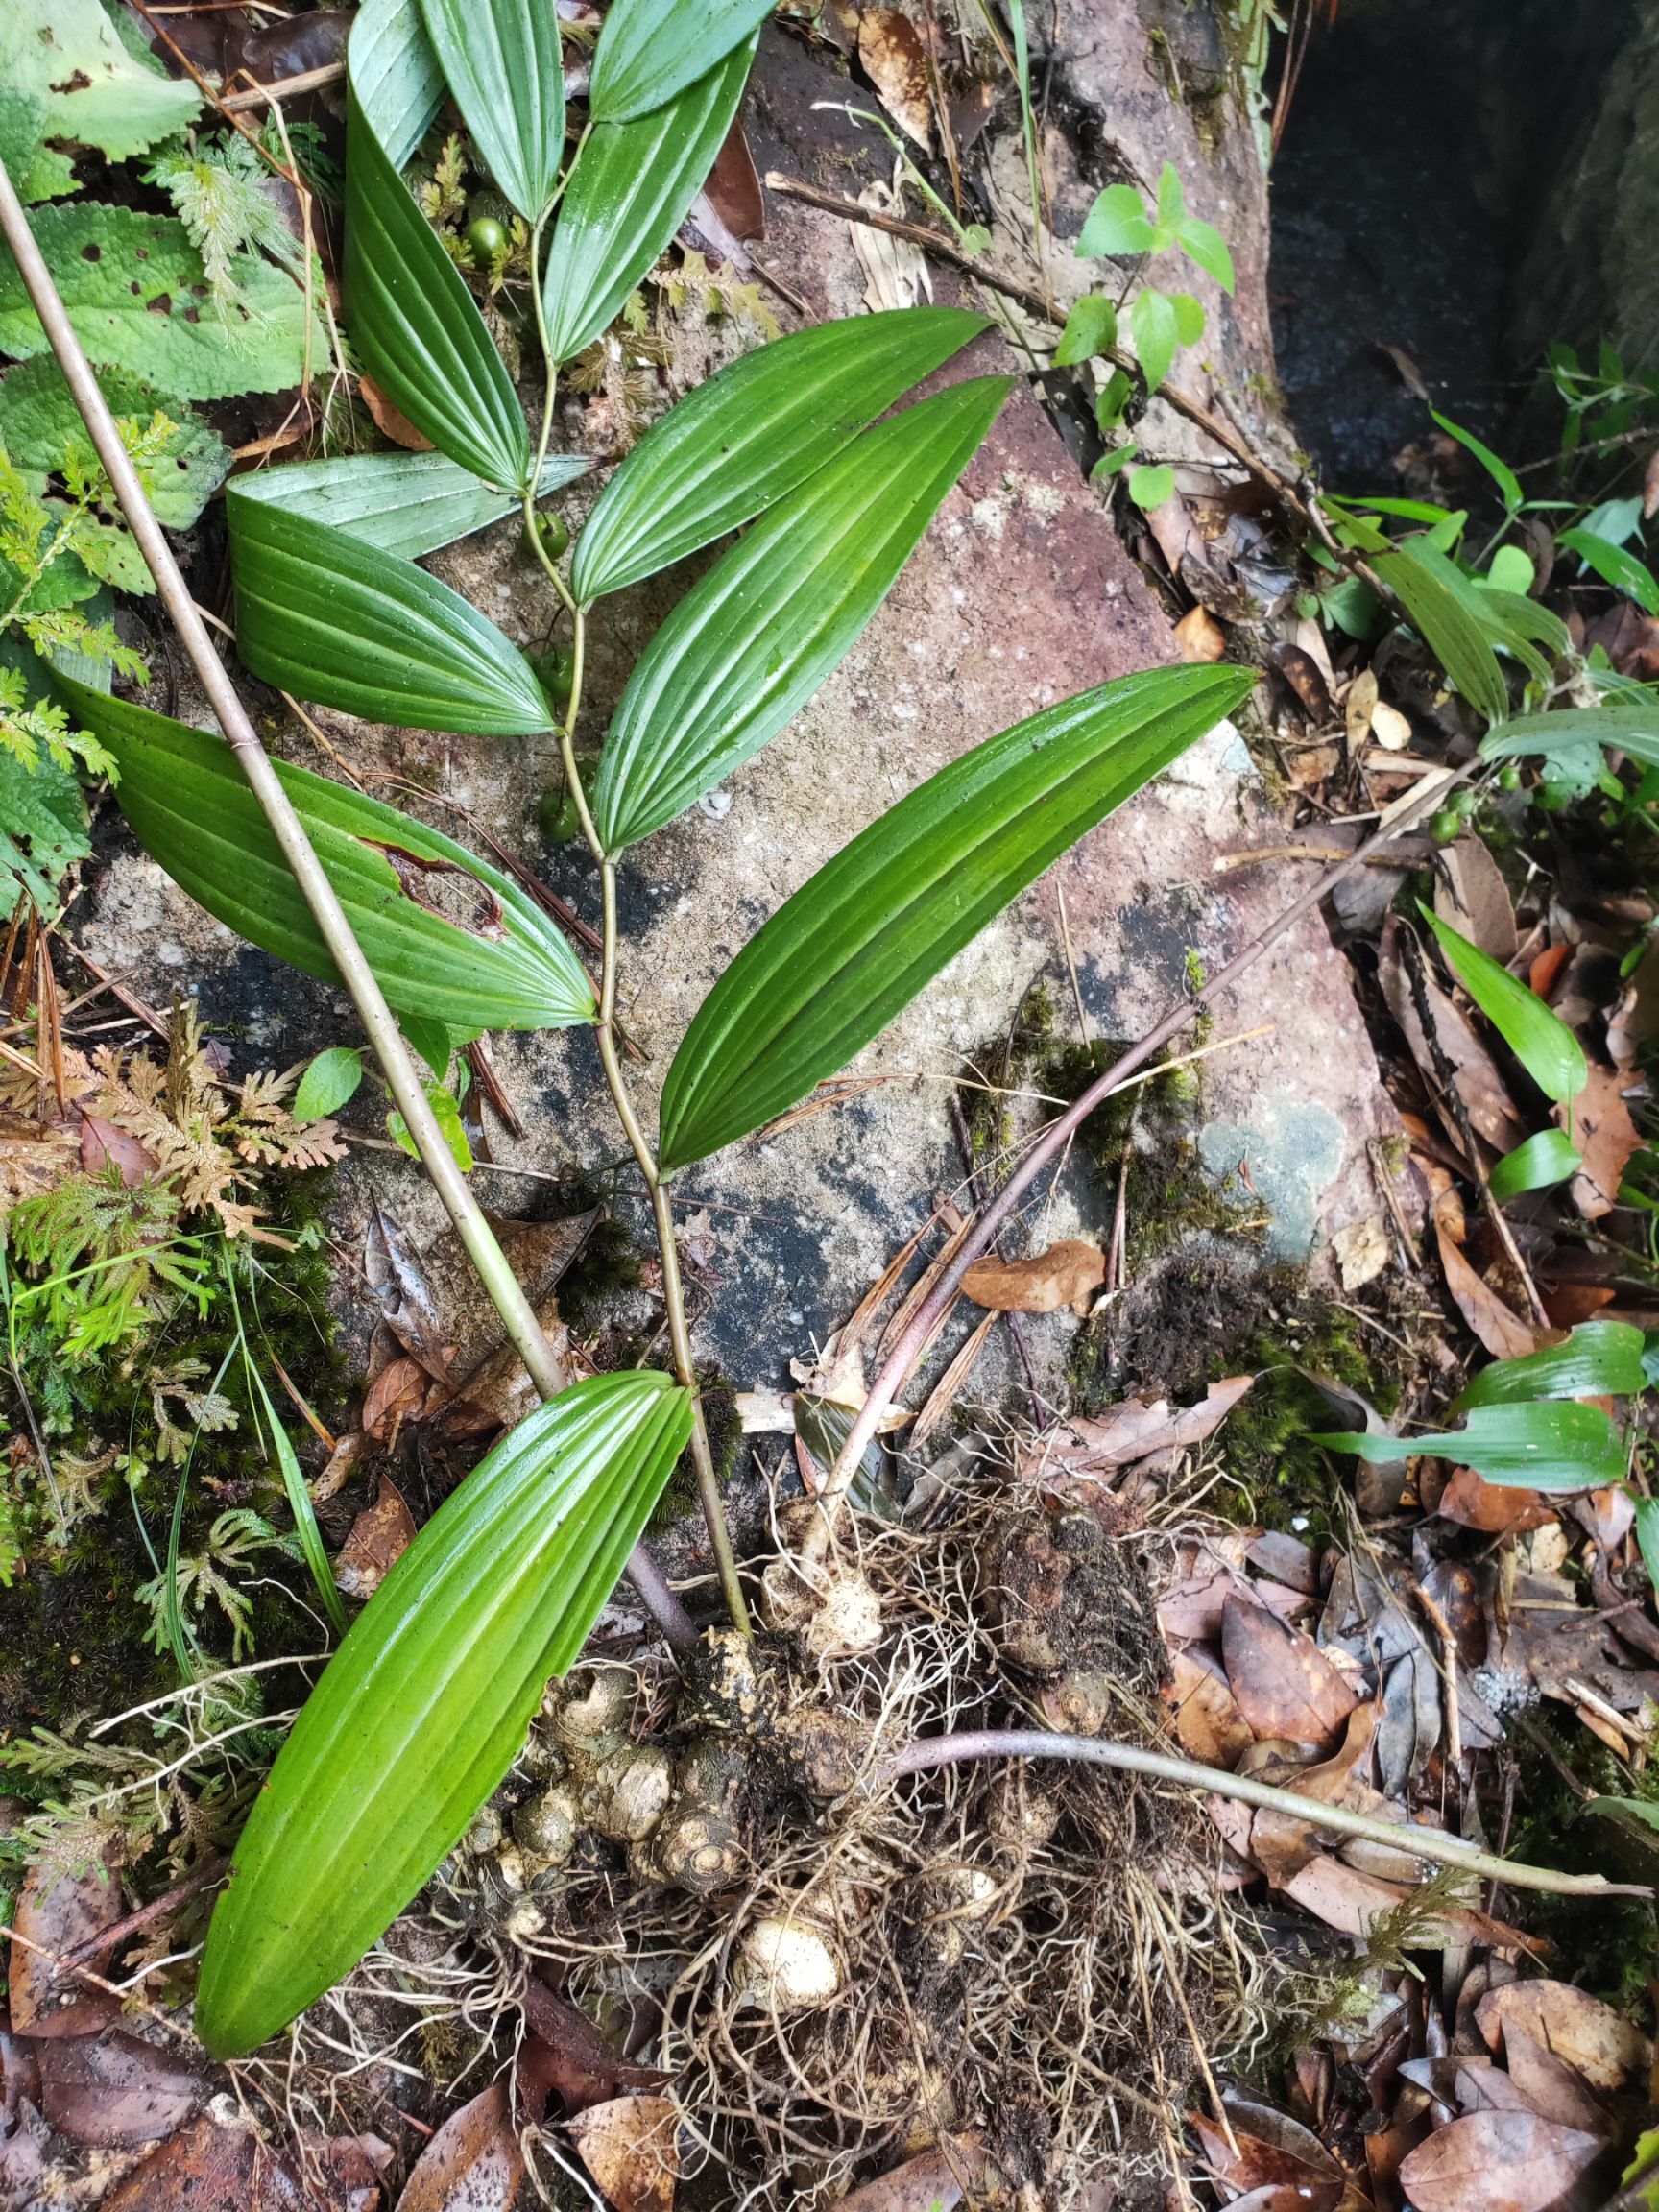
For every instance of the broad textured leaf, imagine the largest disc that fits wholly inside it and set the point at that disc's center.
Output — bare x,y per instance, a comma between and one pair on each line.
1156,326
858,940
324,616
1541,1162
631,189
503,63
1624,725
1116,225
425,1705
68,55
416,326
1090,329
331,1079
1547,1444
42,831
753,641
648,54
404,504
500,965
41,426
395,75
135,293
751,434
1437,596
1537,1036
1599,1359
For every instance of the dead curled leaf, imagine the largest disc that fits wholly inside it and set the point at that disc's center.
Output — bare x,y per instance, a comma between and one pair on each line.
1599,2043
379,1536
1605,1136
1067,1274
1136,1426
396,1394
58,1912
391,420
1199,637
1497,1326
630,2147
113,2091
1496,2162
1207,1722
218,2170
1283,1684
934,2181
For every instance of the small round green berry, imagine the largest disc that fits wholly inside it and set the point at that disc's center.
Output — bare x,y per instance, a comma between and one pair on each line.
1509,776
486,240
557,815
557,669
1446,826
552,535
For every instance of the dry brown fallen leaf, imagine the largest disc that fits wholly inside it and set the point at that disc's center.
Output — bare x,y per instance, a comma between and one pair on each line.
567,2054
379,1538
1605,1135
1591,2036
1498,1325
207,2168
33,1159
1552,2088
1490,1508
1136,1426
1496,2162
895,61
59,1912
1283,1684
1269,2149
1491,1110
1470,892
113,2091
1199,637
630,2147
1067,1274
1390,727
396,1394
1208,1721
391,422
932,2182
472,2164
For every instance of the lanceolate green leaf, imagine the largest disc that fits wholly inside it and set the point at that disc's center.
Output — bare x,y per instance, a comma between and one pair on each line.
500,964
629,190
395,74
327,618
1546,1445
404,504
504,66
425,1705
1599,1359
1437,596
1624,725
751,644
648,53
1537,1036
416,326
857,941
1535,1165
742,440
1615,565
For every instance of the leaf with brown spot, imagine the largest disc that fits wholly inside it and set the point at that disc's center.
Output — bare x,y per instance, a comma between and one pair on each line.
1208,1721
1496,2162
629,2146
1591,2036
1283,1684
1600,1126
472,2164
1067,1274
60,1912
379,1537
113,2091
894,58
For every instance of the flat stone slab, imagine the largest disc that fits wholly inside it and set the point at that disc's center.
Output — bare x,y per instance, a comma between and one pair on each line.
1022,593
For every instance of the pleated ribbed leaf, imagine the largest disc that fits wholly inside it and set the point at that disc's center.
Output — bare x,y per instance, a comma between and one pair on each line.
426,1703
503,63
631,189
331,618
416,326
395,74
742,440
648,53
405,504
863,935
753,641
191,809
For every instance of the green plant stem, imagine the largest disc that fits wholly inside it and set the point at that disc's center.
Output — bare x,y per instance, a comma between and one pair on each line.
478,1239
616,1079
